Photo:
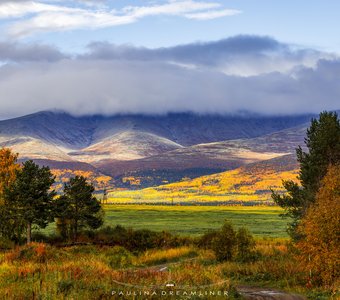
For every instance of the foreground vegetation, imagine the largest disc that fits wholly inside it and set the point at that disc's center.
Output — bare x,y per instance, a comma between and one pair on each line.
121,260
40,271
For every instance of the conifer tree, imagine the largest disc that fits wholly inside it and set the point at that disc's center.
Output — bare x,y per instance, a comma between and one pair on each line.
78,208
323,144
29,198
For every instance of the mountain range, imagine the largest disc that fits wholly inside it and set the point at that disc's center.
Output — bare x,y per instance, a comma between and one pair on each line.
152,148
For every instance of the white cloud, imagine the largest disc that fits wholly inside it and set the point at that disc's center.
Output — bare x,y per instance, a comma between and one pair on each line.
242,55
36,16
22,8
213,14
109,87
241,73
171,8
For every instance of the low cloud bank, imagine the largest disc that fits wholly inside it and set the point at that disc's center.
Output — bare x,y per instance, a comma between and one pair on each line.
243,73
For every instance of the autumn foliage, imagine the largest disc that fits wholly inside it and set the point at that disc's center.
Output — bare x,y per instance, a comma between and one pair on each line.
320,228
8,168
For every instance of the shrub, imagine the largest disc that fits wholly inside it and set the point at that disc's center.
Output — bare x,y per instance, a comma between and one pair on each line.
205,241
228,244
224,243
6,243
133,240
40,237
55,239
141,240
114,235
165,240
245,245
36,252
119,257
64,287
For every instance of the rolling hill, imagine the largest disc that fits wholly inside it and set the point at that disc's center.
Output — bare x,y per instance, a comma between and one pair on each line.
250,184
204,159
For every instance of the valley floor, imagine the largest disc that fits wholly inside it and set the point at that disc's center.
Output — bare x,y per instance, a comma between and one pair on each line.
262,221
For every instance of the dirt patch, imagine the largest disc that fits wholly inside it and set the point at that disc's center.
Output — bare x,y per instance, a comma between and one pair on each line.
252,293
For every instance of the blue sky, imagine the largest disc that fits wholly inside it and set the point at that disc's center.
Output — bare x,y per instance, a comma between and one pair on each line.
312,23
158,56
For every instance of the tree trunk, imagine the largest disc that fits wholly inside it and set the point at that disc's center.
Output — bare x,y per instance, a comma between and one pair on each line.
75,231
29,232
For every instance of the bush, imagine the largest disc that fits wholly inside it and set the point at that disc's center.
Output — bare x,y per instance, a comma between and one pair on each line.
141,240
228,244
224,243
119,257
114,235
36,252
245,245
6,243
40,237
166,240
64,287
205,241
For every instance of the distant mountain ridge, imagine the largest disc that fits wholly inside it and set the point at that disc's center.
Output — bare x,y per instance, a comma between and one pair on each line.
209,158
186,129
125,144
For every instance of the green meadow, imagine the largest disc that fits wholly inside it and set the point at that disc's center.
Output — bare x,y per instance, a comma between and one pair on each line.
262,221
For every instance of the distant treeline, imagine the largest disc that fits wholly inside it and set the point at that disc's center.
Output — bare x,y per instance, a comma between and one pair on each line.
197,203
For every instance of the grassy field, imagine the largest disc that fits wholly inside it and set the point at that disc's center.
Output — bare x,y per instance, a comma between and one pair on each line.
262,221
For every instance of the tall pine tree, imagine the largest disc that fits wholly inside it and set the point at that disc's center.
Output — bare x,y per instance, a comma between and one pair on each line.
29,197
323,143
77,208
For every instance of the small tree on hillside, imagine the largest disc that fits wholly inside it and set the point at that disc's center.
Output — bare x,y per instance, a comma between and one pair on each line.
323,143
29,197
77,208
